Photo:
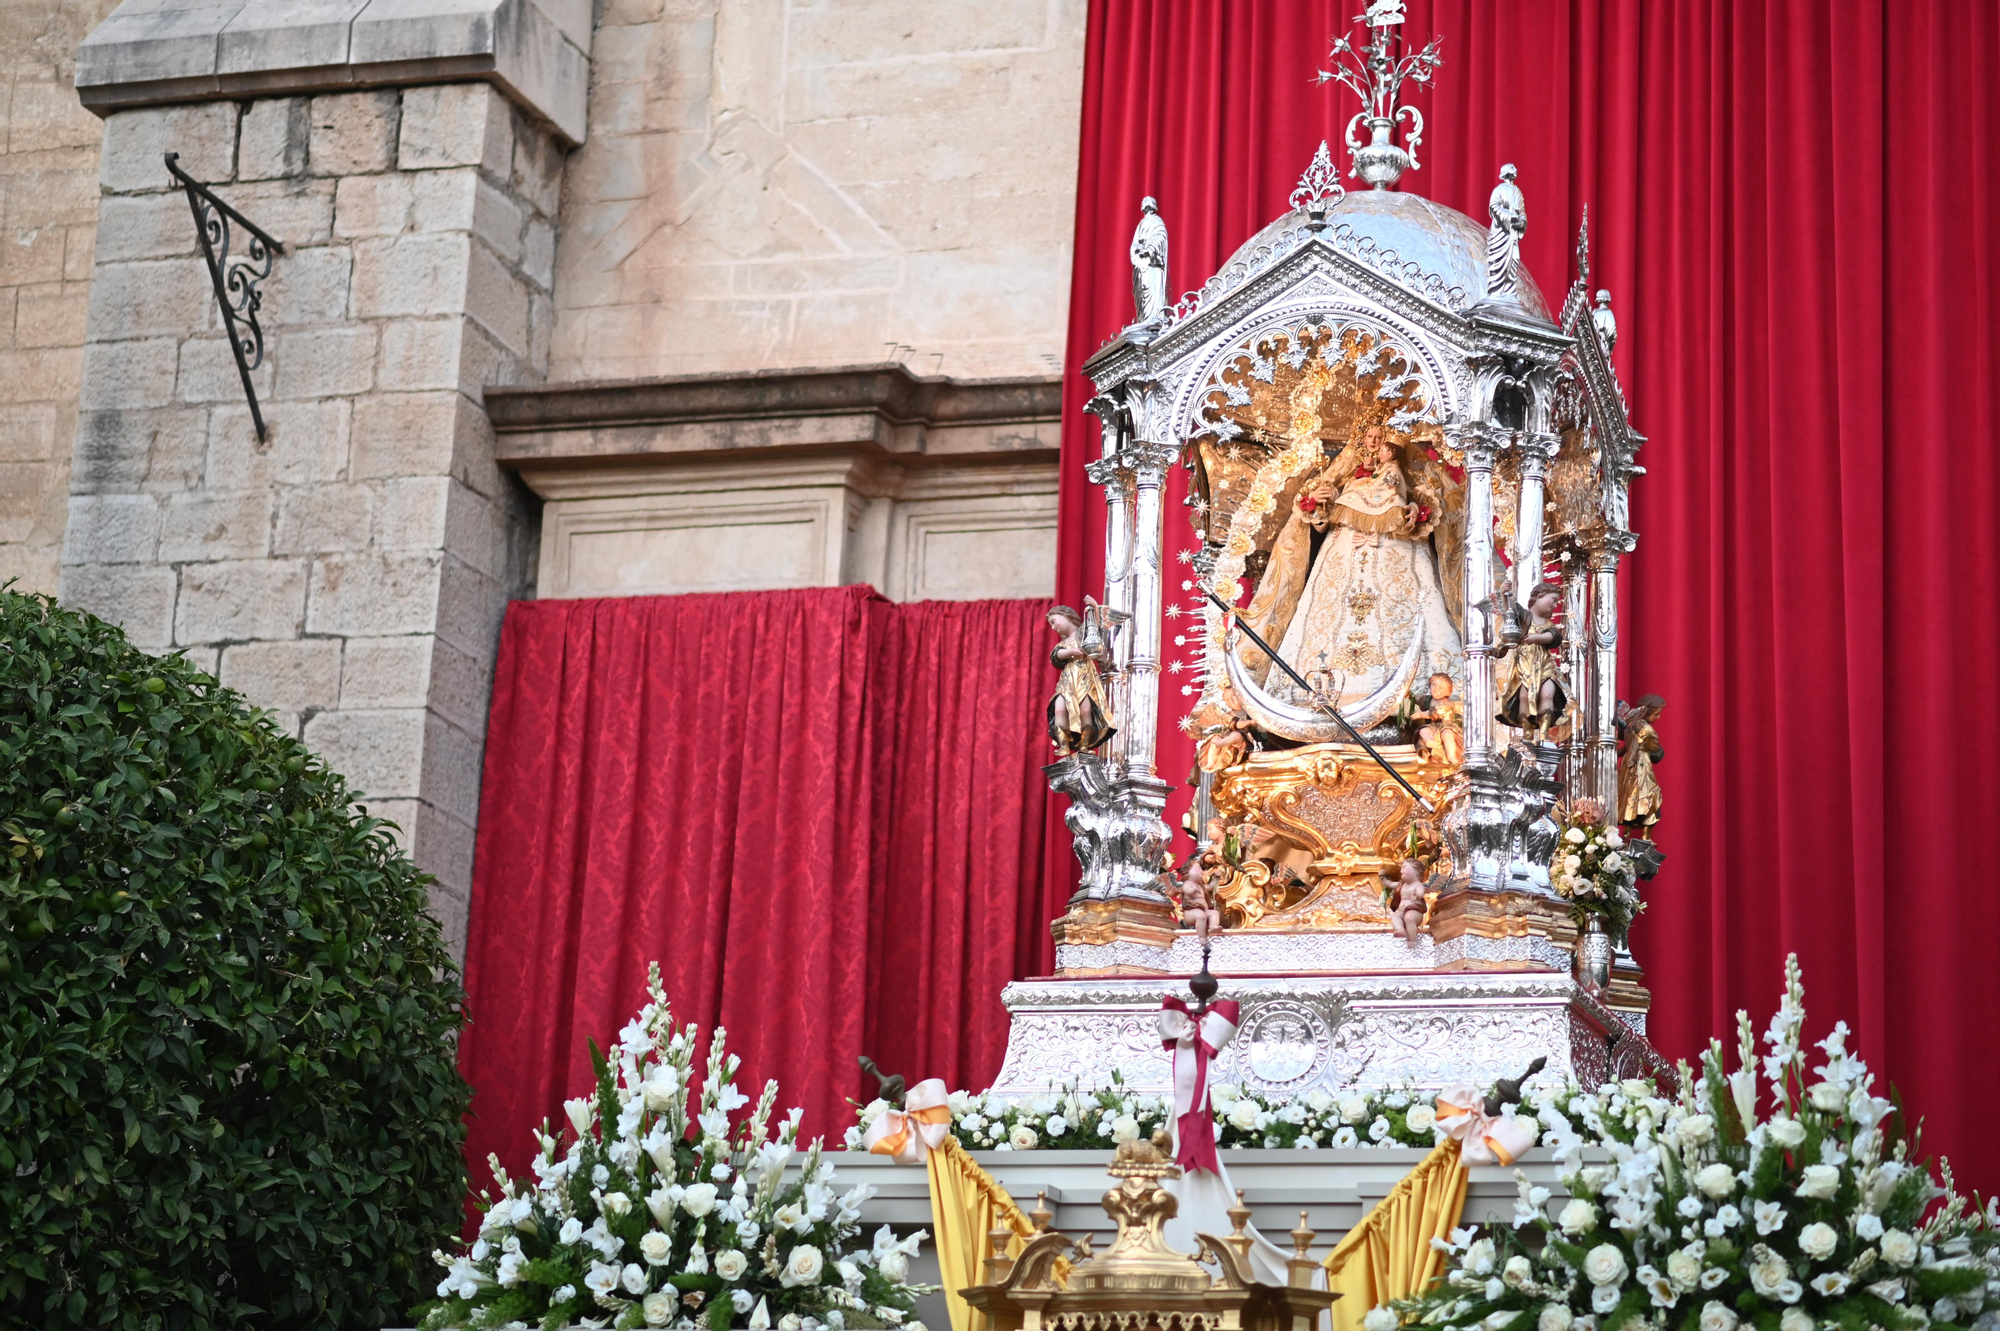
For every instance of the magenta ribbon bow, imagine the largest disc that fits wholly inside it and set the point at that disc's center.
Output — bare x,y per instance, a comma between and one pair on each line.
1193,1045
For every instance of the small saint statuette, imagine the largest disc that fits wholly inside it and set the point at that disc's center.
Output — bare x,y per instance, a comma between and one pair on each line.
1508,210
1149,264
1605,322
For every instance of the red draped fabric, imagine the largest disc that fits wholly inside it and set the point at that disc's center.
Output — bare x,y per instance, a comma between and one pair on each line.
815,809
1794,205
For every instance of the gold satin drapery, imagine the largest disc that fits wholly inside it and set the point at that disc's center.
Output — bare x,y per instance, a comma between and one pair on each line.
1389,1254
966,1205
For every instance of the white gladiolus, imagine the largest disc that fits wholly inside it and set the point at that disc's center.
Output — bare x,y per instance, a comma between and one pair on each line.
1479,1258
581,1111
803,1266
1717,1180
1831,1284
760,1316
1770,1217
1604,1265
1380,1319
661,1203
602,1278
1817,1241
633,1277
1898,1248
1578,1217
1717,1317
658,1309
1820,1182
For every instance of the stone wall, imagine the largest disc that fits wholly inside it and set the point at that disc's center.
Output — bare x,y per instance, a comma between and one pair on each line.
348,571
784,183
48,215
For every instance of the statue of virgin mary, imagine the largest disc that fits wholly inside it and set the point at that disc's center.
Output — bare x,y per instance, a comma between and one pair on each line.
1351,597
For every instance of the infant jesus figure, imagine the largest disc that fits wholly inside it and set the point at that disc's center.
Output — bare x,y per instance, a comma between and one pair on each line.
1406,900
1196,906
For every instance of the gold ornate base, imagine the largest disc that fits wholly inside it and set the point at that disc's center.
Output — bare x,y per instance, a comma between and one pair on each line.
1124,920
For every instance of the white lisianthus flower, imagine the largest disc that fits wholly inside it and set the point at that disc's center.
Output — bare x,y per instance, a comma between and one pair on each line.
972,1122
1519,1271
1380,1319
1817,1241
1868,1227
1831,1285
1662,1289
1353,1108
1689,1206
1684,1266
1421,1118
601,1278
1555,1317
1716,1180
1343,1138
1379,1129
699,1199
656,1248
1819,1183
1898,1248
1604,1265
1786,1132
1243,1114
1023,1138
791,1322
1695,1129
1770,1217
1827,1097
894,1265
1714,1276
1603,1298
571,1232
1124,1128
730,1265
1717,1317
562,1295
633,1277
658,1309
1578,1217
803,1266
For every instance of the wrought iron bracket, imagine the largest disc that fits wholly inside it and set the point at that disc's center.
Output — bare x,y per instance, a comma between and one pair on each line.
235,275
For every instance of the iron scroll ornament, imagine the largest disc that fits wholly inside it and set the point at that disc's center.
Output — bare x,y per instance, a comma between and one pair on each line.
235,275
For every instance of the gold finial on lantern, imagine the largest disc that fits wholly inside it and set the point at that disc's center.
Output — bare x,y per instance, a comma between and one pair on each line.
1300,1265
998,1263
1042,1215
1239,1237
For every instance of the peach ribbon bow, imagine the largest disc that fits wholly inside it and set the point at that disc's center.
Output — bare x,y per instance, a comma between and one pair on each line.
1483,1139
918,1128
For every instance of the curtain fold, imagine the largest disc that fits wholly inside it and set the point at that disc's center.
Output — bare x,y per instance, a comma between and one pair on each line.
1389,1254
967,1205
812,808
1793,205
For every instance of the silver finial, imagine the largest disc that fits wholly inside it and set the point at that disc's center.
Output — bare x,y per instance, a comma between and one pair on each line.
1508,212
1149,264
1605,322
1376,73
1583,249
1319,188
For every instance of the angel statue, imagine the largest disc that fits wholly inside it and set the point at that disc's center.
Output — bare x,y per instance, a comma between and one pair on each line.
1079,715
1149,264
1508,210
1438,720
1639,794
1532,696
1351,592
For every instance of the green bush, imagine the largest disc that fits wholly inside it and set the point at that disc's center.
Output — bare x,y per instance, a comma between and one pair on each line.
228,1094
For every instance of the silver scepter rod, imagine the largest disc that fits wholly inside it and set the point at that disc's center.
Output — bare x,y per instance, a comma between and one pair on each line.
1320,702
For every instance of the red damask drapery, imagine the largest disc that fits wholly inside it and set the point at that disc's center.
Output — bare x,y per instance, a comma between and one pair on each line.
815,809
1794,205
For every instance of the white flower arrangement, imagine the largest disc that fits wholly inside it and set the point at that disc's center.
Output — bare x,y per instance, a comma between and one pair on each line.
1706,1219
663,1211
1067,1119
1595,872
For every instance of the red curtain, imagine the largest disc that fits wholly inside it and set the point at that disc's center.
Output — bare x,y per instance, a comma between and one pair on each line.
1793,205
816,810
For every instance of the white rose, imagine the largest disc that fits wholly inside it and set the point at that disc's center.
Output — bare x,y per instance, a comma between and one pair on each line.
1717,1180
1795,1319
1898,1248
1817,1241
1819,1183
658,1309
1578,1217
1684,1267
699,1199
1695,1129
791,1322
1786,1132
1124,1128
1421,1118
1056,1126
803,1266
731,1264
972,1122
1767,1271
1636,1088
1243,1114
1519,1271
1353,1108
1574,836
1555,1317
1573,863
1318,1100
1827,1097
1023,1138
615,1203
1479,1258
1605,1265
571,1231
1613,862
1868,1227
1717,1317
1381,1319
656,1248
1224,1093
659,1091
894,1266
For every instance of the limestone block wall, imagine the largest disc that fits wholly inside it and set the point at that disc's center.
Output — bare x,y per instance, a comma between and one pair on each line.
48,216
793,183
350,570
